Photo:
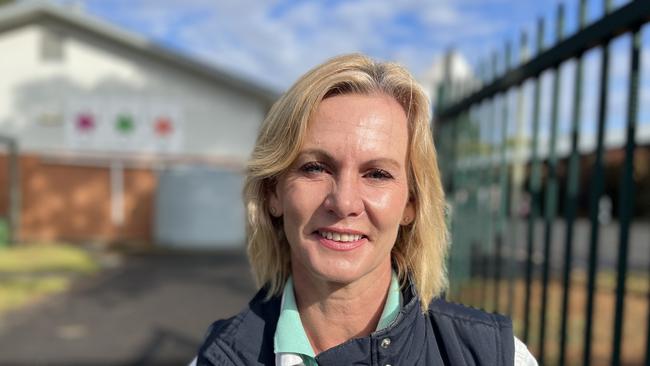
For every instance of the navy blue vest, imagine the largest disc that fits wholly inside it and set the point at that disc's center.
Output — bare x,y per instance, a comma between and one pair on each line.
448,334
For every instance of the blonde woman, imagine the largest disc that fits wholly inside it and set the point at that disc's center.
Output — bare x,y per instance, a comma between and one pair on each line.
347,237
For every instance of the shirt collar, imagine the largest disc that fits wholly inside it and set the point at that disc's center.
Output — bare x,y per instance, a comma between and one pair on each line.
290,336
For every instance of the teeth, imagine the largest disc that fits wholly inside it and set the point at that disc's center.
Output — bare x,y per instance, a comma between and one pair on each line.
340,237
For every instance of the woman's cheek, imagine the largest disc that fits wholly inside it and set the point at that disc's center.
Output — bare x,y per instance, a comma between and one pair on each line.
305,197
388,202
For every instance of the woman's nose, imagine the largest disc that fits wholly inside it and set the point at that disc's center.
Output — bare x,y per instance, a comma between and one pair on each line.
344,199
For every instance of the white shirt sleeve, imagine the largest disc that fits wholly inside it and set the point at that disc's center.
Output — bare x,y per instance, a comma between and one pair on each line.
193,363
523,357
288,359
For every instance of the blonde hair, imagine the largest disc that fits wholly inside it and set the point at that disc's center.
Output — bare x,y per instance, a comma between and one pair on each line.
421,247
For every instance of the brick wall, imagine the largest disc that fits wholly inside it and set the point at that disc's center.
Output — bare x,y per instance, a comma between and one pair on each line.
73,203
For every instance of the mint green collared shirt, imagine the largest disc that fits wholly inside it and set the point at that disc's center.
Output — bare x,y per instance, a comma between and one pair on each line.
290,339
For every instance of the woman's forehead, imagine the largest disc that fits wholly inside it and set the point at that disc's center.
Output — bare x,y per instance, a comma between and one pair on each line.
359,124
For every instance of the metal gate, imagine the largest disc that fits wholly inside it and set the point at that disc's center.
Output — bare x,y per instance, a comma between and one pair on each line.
523,196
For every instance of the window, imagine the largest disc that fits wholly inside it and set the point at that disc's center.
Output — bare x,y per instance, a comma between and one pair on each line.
52,46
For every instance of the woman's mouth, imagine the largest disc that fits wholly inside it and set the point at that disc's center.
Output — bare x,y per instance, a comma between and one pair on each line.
340,241
339,236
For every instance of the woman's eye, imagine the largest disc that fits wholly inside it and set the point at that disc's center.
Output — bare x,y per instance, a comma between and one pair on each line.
312,168
379,174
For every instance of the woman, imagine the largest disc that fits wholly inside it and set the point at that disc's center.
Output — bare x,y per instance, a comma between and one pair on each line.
347,236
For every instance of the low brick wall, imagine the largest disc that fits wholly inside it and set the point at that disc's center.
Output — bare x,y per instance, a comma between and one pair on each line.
72,202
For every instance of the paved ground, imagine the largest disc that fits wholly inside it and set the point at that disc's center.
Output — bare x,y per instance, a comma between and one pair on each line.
150,310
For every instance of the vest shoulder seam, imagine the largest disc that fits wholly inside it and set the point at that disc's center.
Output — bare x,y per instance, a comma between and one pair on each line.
476,315
219,350
231,328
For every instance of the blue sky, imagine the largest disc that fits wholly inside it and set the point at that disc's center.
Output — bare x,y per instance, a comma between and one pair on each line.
273,42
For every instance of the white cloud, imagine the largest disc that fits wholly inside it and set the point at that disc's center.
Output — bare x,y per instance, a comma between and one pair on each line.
253,38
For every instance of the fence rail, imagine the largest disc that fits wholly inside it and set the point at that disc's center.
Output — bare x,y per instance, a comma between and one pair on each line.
494,182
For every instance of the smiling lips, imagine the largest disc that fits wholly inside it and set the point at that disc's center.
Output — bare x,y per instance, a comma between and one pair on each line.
341,241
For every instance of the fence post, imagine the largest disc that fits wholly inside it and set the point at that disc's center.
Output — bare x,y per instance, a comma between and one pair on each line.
627,196
572,191
535,186
551,191
503,192
596,193
518,167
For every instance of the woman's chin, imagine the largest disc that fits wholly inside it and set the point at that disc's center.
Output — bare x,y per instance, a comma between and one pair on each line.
341,271
325,265
338,277
319,269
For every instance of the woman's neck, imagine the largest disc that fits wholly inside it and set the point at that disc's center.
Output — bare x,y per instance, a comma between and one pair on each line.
333,313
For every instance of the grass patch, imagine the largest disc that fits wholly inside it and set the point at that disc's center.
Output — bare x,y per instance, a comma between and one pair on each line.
31,272
16,292
45,258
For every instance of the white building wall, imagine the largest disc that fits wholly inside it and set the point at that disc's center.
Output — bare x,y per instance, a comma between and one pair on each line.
17,64
217,120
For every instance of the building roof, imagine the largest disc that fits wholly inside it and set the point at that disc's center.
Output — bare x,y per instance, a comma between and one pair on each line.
20,14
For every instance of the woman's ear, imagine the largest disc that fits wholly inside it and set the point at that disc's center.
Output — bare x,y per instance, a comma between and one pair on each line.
409,213
275,207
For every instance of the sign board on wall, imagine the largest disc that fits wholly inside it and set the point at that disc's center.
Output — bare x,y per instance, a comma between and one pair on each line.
123,125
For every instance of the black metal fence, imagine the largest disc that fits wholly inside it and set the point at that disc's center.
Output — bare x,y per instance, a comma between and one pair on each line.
533,205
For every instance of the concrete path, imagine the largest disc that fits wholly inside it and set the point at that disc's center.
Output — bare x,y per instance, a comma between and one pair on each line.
150,310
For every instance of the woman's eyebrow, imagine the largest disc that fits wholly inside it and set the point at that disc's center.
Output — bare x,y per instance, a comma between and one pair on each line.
326,157
317,153
383,162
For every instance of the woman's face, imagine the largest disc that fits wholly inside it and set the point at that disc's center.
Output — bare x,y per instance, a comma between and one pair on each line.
345,196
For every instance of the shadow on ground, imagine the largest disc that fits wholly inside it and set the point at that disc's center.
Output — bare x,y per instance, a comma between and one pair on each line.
152,310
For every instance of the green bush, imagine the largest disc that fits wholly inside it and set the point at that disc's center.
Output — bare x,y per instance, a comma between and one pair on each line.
4,233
